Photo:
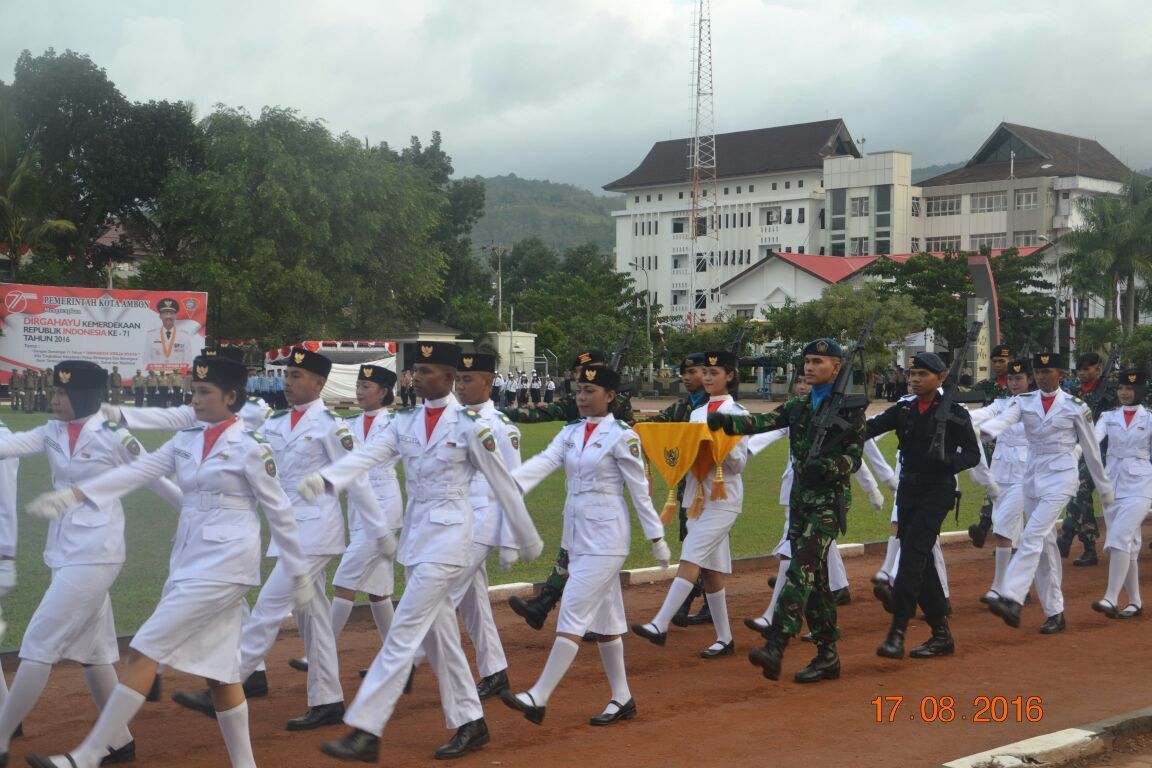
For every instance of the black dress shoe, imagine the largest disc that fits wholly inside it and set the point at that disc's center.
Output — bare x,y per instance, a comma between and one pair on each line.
492,685
1053,625
154,691
989,597
758,624
701,617
1088,558
651,635
1008,610
357,745
883,593
623,712
298,664
318,717
718,649
38,761
1106,608
200,701
590,637
469,737
256,686
842,596
1130,611
532,713
124,754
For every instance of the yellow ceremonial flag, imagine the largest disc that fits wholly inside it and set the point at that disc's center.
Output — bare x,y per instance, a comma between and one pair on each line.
712,455
672,447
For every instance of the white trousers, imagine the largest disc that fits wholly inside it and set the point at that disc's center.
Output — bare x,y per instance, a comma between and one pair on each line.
274,603
424,616
1037,556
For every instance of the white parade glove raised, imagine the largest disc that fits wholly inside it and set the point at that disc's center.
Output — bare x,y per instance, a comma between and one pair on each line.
532,550
386,544
7,576
302,592
1107,497
311,487
661,553
111,412
49,506
508,558
877,499
993,490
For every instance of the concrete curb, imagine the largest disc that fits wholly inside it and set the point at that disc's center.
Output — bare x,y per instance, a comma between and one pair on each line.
1062,747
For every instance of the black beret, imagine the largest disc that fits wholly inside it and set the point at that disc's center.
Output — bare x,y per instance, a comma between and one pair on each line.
1019,365
479,362
1002,350
310,361
929,361
78,374
1049,360
433,353
823,348
590,357
224,372
720,359
377,374
600,375
1087,359
690,360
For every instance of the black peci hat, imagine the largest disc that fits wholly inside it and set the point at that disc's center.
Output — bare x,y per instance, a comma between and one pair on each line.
479,362
1050,360
167,305
600,375
309,361
1087,359
1133,377
377,374
224,372
232,353
432,353
1019,365
720,359
78,374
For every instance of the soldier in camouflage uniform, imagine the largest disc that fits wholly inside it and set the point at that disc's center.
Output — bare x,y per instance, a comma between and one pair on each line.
15,385
820,494
535,610
1080,515
993,388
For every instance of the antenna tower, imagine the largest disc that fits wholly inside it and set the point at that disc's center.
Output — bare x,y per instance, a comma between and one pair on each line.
702,160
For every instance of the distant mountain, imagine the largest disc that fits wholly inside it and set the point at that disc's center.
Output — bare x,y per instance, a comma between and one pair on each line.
928,171
561,215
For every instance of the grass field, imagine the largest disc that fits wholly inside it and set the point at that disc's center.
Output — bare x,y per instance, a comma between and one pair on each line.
151,525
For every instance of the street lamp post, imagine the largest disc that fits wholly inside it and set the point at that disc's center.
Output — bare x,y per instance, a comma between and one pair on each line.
647,315
1056,317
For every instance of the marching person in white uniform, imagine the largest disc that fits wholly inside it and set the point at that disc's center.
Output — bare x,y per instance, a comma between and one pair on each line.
442,445
600,457
1056,424
85,550
706,549
224,472
8,538
305,439
1128,430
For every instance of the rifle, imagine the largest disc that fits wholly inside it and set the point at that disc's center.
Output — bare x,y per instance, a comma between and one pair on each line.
1107,386
622,348
944,410
829,416
738,342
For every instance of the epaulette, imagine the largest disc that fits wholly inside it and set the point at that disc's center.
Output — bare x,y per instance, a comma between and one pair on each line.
574,421
504,418
472,413
622,425
256,436
409,409
331,414
197,428
254,400
278,414
1077,400
906,399
113,425
1028,394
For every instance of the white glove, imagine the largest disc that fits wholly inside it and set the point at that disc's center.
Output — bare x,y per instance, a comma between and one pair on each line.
508,558
1107,497
302,592
993,490
661,553
111,412
311,487
49,506
386,544
877,499
532,550
893,483
7,576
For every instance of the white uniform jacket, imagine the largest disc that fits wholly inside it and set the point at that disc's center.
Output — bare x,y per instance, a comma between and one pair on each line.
1054,438
438,472
8,526
1129,451
218,534
319,439
733,464
382,478
489,526
254,413
596,518
85,534
1010,459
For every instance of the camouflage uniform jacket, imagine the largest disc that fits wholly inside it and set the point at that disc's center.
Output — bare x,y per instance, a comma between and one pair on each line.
844,448
681,410
992,390
1110,401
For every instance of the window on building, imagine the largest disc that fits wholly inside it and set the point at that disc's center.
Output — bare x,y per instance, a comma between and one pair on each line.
787,185
725,190
800,249
675,298
773,186
915,247
946,205
946,243
659,197
883,198
637,198
821,220
821,250
705,192
800,184
839,208
989,240
774,215
1027,199
751,187
1063,195
858,206
635,229
883,246
737,190
989,202
655,262
656,228
678,226
681,195
859,246
701,263
799,215
787,249
788,216
648,198
916,207
701,300
725,258
837,249
701,226
745,314
1024,239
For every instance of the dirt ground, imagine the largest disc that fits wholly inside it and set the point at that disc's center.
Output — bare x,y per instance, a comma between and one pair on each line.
698,712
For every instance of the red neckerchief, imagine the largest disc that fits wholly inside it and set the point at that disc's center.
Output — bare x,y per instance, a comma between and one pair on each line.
212,433
714,406
1001,381
589,428
1128,417
1086,388
368,419
923,405
1047,400
296,414
431,416
74,430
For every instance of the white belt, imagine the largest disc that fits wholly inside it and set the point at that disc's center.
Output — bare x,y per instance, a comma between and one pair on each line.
437,492
1141,455
1051,449
206,500
575,486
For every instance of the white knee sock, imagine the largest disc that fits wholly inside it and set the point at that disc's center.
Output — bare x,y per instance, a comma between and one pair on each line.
3,682
341,610
781,575
941,568
677,593
890,555
382,613
27,685
234,727
837,575
563,654
718,605
1118,562
612,656
118,711
1132,582
1003,557
101,679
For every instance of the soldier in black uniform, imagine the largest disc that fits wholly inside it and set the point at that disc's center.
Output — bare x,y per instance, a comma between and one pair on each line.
927,492
992,388
1080,515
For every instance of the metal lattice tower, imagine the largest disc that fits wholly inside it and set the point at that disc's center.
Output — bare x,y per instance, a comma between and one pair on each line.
702,156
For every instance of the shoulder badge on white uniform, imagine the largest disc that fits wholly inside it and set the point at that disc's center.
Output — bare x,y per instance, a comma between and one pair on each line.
269,462
131,444
345,438
633,446
256,436
113,425
487,439
472,413
278,414
331,414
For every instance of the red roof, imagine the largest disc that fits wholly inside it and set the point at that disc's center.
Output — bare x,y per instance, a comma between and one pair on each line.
830,269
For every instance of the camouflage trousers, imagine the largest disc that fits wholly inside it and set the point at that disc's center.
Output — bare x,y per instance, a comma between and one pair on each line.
806,594
558,578
1080,514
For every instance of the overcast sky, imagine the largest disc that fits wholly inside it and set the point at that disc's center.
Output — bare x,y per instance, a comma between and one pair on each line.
578,90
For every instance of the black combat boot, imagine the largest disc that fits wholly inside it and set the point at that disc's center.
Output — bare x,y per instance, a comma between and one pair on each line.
535,610
978,531
940,644
1064,542
770,658
1089,557
681,618
826,666
893,645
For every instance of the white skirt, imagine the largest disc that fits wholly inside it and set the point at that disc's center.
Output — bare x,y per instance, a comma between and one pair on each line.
1008,512
1124,519
364,569
74,620
706,544
593,600
196,629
